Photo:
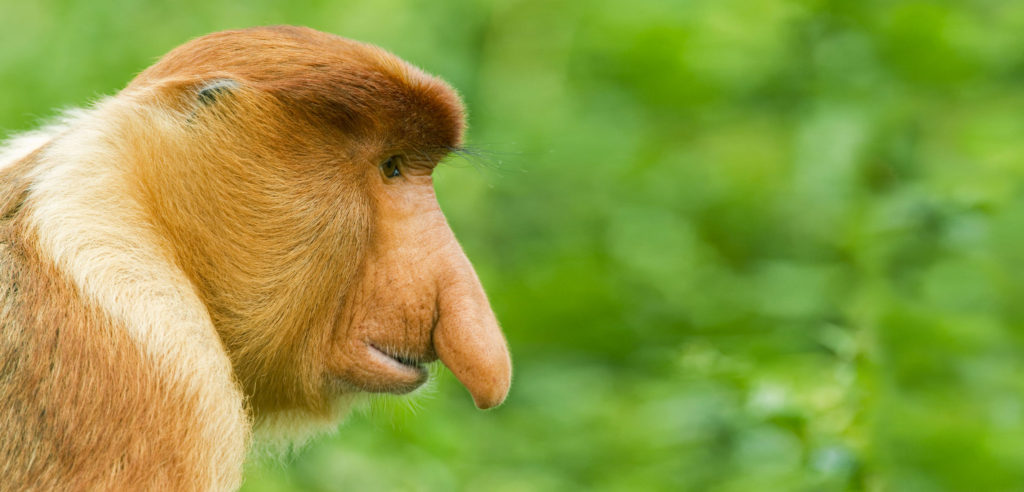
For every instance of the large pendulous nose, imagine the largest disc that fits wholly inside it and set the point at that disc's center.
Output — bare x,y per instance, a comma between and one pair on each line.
468,339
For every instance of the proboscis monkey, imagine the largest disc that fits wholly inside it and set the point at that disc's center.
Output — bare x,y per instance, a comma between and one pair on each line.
241,241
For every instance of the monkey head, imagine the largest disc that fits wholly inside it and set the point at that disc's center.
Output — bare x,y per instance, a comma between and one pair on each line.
289,173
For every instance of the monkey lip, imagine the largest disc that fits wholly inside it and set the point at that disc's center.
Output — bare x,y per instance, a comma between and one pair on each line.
405,373
403,361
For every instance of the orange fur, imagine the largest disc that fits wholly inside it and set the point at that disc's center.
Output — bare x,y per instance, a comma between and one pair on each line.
229,205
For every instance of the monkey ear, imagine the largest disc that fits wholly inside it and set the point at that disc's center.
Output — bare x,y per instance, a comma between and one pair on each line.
214,89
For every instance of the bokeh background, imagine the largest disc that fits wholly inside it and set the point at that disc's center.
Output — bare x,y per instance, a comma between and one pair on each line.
735,244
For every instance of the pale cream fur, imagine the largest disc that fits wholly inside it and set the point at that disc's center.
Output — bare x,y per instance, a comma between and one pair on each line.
86,222
20,145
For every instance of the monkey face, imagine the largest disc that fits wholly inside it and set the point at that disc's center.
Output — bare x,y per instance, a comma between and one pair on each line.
294,187
418,297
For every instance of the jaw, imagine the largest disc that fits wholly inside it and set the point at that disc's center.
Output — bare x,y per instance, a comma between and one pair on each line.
279,432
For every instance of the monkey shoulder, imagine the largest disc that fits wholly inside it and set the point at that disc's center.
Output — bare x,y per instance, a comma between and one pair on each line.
68,369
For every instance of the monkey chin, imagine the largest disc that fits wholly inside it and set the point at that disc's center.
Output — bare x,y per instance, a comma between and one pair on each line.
282,432
379,373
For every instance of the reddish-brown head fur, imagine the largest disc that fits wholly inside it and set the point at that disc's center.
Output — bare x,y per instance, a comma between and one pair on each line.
320,273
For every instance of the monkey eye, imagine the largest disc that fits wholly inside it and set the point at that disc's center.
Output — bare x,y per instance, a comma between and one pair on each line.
390,167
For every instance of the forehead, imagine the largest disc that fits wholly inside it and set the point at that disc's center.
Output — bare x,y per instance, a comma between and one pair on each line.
351,85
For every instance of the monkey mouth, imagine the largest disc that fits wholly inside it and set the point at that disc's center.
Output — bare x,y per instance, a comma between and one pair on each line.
403,360
403,373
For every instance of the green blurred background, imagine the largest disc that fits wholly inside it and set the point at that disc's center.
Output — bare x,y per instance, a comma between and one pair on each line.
736,245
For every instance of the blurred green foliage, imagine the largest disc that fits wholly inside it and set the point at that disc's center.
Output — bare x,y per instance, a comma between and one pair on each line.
735,244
